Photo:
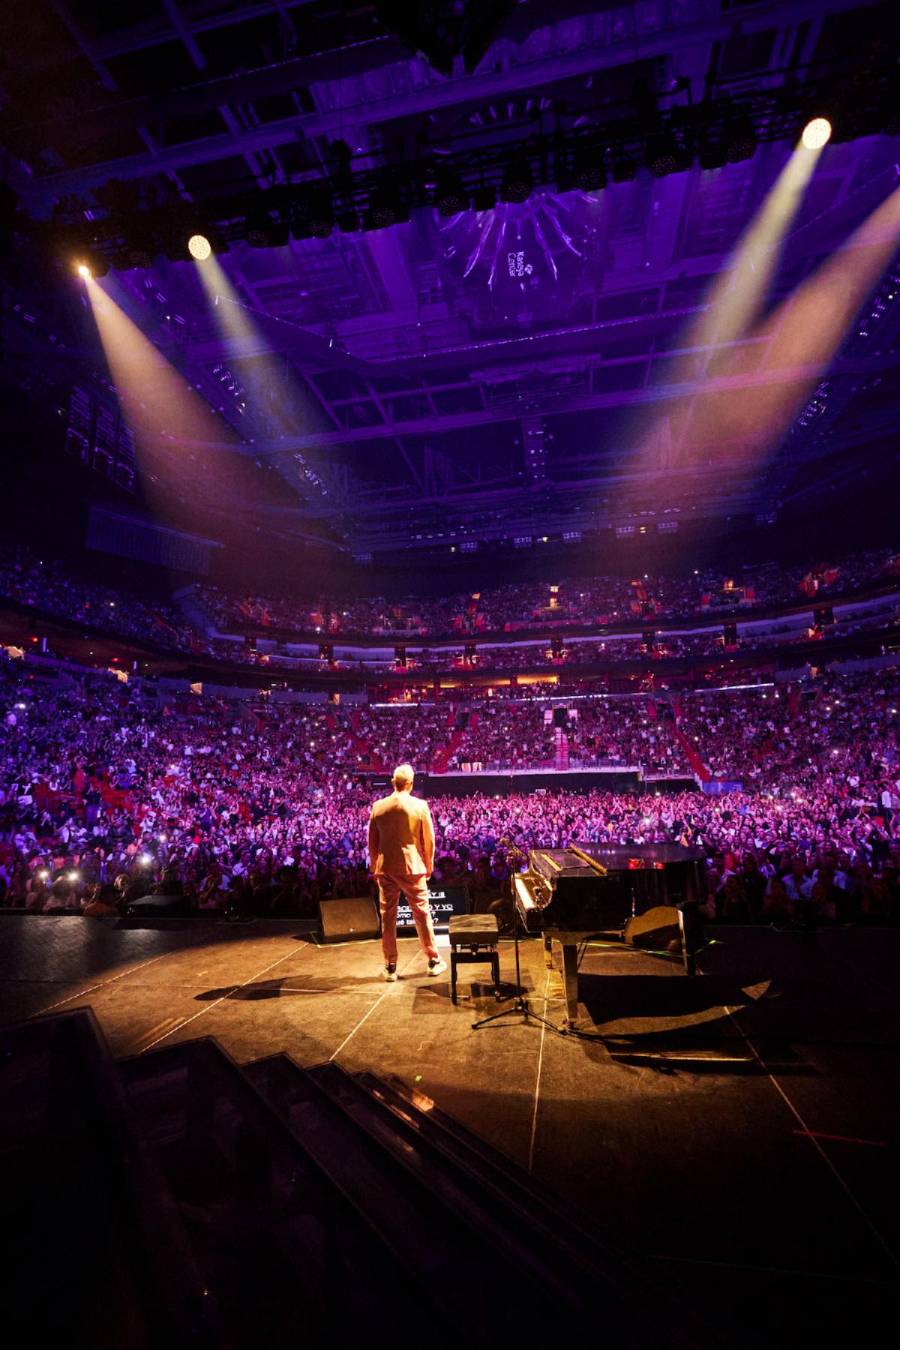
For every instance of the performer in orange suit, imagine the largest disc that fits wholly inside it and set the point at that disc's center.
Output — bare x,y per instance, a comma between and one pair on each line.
401,856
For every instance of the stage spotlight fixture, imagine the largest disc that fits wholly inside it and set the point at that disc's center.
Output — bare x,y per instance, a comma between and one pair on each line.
174,241
143,241
313,217
740,140
139,257
663,155
259,228
816,133
624,170
199,247
384,213
92,265
517,183
347,221
386,207
588,173
484,198
450,196
320,226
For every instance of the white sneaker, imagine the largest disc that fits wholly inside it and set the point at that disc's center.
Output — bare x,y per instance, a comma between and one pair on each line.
437,966
390,972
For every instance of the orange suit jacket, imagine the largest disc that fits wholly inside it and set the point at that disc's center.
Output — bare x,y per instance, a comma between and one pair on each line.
401,836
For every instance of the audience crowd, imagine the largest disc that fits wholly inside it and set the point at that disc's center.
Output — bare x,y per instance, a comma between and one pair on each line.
607,733
109,792
600,600
603,652
49,587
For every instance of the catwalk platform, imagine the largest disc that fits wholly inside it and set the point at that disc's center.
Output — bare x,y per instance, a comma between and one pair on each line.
736,1134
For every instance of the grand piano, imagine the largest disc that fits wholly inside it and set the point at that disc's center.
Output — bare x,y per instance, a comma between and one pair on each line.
634,892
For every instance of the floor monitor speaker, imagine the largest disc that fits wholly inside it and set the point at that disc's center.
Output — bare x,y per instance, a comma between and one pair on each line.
348,920
160,907
656,928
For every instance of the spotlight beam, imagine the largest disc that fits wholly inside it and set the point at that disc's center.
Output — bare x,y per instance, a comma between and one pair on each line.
163,412
272,392
734,303
736,299
803,336
245,333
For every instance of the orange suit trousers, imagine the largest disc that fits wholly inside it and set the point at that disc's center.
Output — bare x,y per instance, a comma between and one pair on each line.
415,888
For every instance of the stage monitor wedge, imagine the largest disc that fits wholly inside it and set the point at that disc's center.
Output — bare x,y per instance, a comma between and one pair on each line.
349,920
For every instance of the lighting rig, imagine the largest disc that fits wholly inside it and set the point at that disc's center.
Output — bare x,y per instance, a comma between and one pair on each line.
567,149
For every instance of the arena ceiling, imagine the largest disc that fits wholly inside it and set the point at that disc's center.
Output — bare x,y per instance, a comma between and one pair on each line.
460,377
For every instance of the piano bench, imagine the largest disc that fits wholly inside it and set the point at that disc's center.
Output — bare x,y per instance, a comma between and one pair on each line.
474,937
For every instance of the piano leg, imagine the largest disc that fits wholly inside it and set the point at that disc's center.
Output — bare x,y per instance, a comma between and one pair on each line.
690,930
570,980
548,951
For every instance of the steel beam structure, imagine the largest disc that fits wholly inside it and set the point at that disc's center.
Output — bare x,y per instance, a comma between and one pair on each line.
464,421
619,36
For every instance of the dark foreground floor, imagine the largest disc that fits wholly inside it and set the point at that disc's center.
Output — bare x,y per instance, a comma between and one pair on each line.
739,1131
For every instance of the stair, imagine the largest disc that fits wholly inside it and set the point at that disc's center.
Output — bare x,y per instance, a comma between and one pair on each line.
238,1207
404,1203
195,611
374,760
445,753
493,1169
277,1234
487,1228
697,766
561,751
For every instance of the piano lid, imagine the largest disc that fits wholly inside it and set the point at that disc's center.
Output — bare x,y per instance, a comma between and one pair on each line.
591,862
553,863
633,857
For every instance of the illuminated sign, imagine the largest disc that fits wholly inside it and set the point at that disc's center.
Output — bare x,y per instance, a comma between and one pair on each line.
516,264
445,902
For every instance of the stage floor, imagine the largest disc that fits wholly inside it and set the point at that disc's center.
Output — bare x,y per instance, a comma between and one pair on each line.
739,1131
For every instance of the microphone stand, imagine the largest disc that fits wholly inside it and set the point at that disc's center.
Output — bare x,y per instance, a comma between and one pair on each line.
520,1003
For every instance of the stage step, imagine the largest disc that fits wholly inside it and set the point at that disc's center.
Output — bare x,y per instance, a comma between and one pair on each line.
98,1255
288,1249
441,1237
515,1232
233,1207
514,1211
553,1243
403,1206
491,1167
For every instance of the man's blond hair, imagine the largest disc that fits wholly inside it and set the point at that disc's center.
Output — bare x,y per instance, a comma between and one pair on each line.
403,776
